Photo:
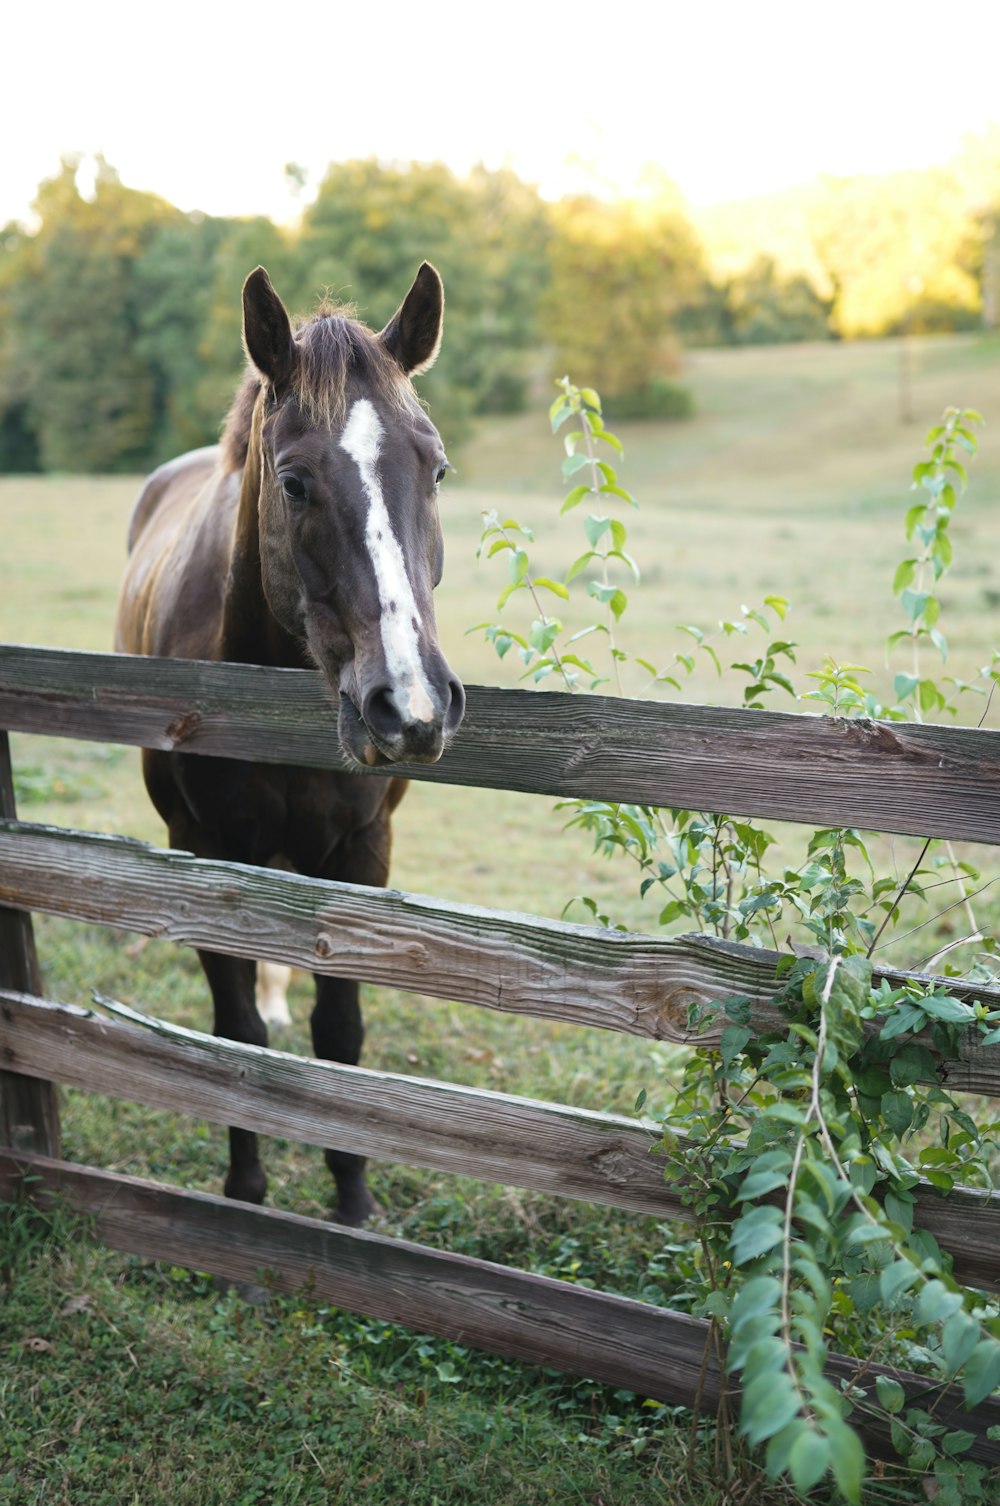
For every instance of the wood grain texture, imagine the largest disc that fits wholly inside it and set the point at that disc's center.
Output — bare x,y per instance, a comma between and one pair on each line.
650,1350
496,1137
29,1110
601,1158
519,964
894,777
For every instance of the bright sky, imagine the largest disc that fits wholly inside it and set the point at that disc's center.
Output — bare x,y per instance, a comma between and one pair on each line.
205,102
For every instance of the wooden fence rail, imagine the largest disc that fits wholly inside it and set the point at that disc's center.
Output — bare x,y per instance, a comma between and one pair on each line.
519,964
883,776
616,1340
909,779
496,1137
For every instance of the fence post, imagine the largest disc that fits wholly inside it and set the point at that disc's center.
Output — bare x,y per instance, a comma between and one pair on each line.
29,1110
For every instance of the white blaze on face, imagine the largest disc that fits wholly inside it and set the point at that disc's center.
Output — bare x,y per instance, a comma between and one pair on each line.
362,438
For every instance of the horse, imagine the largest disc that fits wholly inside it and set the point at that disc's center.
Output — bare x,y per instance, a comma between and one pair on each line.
308,538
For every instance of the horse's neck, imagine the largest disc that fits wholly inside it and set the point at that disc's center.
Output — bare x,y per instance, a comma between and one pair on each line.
250,632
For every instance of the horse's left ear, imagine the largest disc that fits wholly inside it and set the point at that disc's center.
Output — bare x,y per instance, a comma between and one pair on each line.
267,331
413,334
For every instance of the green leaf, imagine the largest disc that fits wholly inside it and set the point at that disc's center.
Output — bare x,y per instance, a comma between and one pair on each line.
570,466
559,412
936,1303
912,1064
905,573
897,1111
982,1372
896,1278
903,1019
575,496
555,586
608,438
765,1173
619,491
809,1460
913,516
755,1233
943,1007
731,1043
768,1404
959,1336
890,1394
580,563
595,528
848,1460
904,685
915,603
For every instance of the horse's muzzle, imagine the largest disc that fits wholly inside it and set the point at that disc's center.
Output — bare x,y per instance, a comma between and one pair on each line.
379,733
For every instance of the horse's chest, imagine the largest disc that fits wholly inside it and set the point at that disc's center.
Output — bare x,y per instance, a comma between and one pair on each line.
306,819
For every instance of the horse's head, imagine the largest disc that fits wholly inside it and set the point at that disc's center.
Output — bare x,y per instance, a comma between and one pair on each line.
350,538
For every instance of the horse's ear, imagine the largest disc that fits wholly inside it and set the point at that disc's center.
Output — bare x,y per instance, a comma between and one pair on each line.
267,331
413,334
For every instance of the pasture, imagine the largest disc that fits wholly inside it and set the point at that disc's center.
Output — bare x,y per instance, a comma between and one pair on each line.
792,479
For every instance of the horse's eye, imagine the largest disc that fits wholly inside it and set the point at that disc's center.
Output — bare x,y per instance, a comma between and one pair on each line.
443,470
293,488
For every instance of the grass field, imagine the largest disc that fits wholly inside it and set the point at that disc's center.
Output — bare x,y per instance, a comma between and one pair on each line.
149,1385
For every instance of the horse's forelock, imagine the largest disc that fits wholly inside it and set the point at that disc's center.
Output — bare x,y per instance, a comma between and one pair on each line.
336,352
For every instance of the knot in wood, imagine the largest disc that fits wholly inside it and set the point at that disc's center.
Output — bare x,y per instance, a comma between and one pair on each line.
615,1165
182,727
323,946
672,1015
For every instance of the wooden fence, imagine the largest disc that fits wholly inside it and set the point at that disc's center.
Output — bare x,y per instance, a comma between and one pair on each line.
910,779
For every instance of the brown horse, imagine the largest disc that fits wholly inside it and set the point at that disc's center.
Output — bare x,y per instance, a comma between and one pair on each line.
309,538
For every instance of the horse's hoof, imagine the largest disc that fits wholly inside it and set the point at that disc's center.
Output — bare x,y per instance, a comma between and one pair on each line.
246,1187
249,1292
354,1213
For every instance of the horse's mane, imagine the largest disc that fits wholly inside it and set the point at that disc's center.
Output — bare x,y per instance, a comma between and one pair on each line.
333,348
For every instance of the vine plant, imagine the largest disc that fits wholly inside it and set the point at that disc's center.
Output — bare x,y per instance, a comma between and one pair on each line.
803,1146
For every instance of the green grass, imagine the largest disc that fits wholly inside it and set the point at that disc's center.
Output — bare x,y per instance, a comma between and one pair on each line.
792,478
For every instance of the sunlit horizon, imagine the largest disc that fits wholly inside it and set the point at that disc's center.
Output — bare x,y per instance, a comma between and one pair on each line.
206,109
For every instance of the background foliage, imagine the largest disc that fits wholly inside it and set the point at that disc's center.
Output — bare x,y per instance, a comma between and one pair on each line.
119,313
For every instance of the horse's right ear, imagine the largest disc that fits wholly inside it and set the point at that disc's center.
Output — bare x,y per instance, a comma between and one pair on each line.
267,331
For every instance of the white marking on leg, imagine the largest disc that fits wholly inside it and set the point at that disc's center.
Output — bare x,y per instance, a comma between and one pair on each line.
273,979
400,620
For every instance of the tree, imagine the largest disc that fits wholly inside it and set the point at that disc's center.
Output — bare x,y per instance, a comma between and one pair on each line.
70,358
896,252
371,226
620,274
767,309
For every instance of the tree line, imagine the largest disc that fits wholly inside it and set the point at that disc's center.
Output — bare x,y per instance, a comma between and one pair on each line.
120,314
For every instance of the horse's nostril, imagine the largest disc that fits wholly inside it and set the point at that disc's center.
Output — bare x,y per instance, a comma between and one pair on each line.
456,706
380,713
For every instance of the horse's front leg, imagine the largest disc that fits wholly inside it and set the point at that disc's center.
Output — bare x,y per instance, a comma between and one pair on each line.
337,1032
337,1027
231,980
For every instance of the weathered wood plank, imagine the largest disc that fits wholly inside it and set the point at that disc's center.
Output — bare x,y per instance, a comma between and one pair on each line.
614,1340
29,1110
496,1137
922,780
601,1158
532,1318
639,985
